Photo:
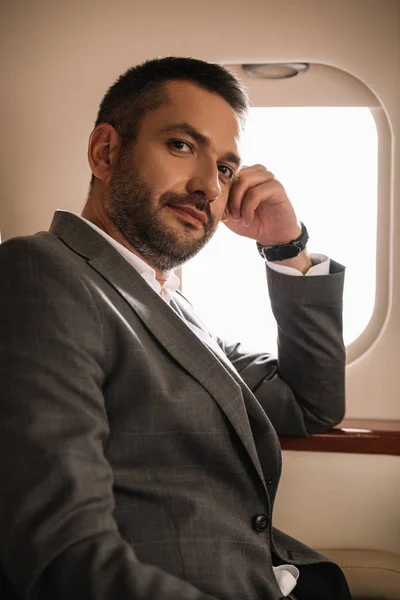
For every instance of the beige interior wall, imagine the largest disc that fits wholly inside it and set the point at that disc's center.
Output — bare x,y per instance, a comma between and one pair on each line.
56,60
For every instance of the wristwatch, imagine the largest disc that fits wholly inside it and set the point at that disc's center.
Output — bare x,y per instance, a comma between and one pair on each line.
285,251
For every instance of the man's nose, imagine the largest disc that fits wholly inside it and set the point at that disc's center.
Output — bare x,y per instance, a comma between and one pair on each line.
205,181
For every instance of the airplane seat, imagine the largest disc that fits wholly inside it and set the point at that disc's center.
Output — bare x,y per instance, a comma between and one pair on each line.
371,574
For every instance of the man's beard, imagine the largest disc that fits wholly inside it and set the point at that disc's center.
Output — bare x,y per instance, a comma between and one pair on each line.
137,215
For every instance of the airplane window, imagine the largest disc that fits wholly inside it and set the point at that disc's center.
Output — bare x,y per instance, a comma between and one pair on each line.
327,159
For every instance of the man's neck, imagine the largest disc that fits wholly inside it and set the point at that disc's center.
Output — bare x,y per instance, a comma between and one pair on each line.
102,221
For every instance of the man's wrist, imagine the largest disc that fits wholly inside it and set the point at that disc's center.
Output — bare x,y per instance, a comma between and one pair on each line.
285,251
302,262
287,238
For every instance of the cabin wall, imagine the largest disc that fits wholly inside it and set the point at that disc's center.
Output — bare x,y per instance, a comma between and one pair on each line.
58,58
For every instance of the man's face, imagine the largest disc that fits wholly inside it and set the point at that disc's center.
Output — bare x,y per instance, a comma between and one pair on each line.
169,191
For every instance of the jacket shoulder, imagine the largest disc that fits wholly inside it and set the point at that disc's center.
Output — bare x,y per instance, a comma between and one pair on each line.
42,250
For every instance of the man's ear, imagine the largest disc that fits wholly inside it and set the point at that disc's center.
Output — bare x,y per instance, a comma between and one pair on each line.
103,150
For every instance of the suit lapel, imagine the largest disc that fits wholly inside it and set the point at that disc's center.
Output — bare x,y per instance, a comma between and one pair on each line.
263,433
163,322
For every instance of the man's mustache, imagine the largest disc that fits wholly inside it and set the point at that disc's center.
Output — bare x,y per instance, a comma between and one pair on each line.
190,200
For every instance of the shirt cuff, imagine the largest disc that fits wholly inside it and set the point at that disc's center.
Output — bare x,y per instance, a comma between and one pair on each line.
321,266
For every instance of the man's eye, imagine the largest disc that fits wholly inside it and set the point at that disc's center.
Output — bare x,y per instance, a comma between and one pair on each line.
181,146
227,172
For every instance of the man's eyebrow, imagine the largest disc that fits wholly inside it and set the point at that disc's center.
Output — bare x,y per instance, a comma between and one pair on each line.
201,139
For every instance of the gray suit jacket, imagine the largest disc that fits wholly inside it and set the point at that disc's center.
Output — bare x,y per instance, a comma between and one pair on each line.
136,451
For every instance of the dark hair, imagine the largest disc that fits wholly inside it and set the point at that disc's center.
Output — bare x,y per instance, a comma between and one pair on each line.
141,89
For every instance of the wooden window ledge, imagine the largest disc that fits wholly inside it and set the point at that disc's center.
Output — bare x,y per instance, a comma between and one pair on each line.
351,436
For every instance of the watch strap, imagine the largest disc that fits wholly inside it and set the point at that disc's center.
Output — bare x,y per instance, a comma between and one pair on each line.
285,251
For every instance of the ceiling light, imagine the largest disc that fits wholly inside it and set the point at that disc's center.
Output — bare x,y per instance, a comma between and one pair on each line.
275,70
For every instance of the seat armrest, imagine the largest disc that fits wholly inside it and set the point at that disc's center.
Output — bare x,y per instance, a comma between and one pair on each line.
371,574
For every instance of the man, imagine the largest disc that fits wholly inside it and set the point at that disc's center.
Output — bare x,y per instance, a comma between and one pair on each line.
138,457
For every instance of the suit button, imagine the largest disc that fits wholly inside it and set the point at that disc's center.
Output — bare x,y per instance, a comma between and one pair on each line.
260,522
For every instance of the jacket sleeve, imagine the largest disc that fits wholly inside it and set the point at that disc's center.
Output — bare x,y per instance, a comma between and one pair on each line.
303,390
58,537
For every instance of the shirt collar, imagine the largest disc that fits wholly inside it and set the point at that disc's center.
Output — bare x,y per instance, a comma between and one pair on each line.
166,291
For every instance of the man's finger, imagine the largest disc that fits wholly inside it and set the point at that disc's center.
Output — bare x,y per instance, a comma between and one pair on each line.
255,196
244,182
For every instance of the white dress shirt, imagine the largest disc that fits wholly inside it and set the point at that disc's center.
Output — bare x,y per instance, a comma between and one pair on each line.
321,264
166,291
286,575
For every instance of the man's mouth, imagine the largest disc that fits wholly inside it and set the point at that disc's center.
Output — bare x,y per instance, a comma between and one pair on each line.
190,214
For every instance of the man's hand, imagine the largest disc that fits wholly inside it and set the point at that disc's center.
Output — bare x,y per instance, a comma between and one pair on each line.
259,209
